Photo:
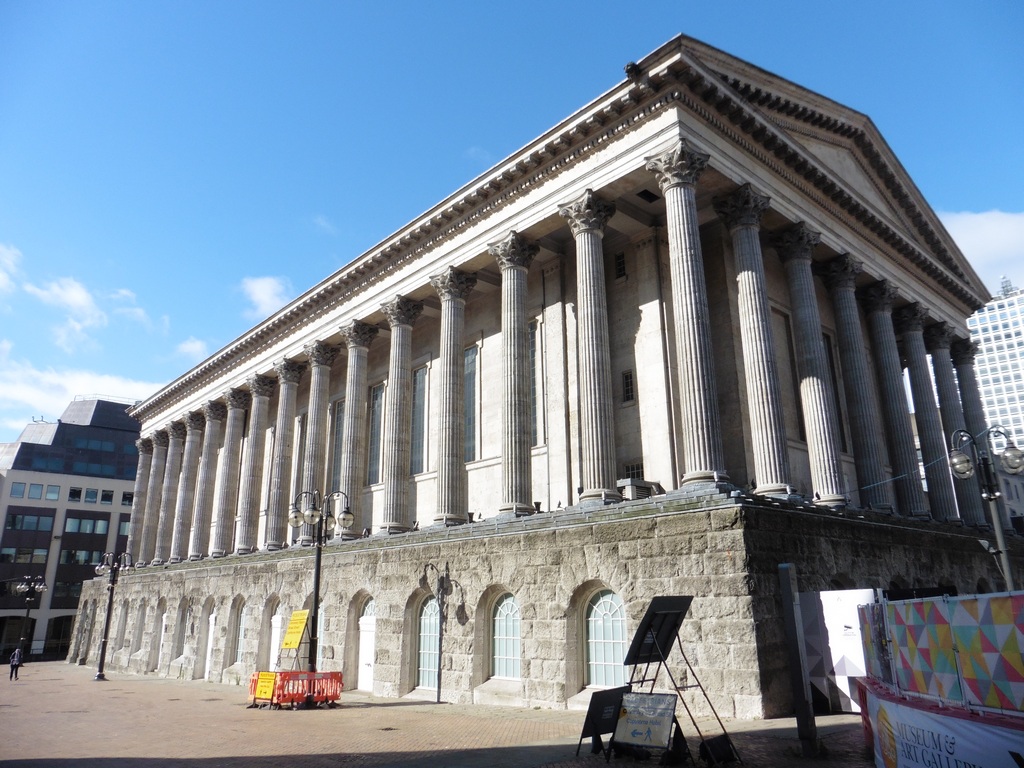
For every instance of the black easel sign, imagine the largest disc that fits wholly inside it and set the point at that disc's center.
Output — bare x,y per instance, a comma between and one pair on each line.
602,715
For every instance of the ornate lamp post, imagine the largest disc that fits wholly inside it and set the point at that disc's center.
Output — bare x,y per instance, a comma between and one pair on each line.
29,586
110,566
963,464
316,511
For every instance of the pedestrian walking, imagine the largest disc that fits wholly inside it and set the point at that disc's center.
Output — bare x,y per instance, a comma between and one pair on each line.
15,663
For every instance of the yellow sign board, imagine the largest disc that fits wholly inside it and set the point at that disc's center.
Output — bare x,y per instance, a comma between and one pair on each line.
265,685
296,625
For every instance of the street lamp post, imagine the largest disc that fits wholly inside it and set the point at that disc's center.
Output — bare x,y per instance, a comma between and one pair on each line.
111,566
316,511
30,586
963,465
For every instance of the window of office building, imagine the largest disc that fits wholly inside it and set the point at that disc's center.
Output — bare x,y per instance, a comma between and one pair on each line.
17,490
106,497
35,490
53,493
91,495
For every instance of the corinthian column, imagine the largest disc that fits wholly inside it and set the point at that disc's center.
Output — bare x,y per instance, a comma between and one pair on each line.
185,504
514,255
840,275
169,495
741,212
909,322
938,337
289,373
453,287
199,536
247,524
878,299
817,398
154,491
226,503
357,336
135,526
401,314
677,172
321,357
587,218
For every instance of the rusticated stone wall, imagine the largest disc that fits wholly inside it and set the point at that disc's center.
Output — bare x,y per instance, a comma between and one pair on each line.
724,551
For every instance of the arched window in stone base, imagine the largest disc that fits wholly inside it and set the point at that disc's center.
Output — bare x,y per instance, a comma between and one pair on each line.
427,648
606,640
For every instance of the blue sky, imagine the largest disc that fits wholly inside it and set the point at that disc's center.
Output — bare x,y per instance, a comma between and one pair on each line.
172,172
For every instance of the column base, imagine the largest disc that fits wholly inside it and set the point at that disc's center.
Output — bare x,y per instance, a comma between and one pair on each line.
245,550
156,561
274,546
706,476
604,495
196,558
173,560
516,509
832,501
218,553
394,528
449,520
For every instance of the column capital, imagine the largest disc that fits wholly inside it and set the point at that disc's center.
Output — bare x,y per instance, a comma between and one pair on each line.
680,165
195,421
963,351
176,430
359,334
145,444
238,399
514,251
290,371
840,273
588,213
260,386
161,438
741,208
938,336
215,410
453,284
321,353
795,242
878,297
910,318
402,311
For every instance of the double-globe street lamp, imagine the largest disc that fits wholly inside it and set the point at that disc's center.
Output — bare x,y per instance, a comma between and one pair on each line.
963,465
316,512
30,587
111,566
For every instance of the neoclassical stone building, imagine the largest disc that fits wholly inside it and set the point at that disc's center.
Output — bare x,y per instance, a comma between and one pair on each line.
659,350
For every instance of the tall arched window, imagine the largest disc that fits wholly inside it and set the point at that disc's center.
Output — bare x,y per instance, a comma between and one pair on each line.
236,633
427,655
505,658
606,640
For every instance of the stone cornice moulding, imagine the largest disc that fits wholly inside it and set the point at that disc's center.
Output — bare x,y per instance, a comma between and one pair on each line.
673,76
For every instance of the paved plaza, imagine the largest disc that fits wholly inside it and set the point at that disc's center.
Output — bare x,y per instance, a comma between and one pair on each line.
56,715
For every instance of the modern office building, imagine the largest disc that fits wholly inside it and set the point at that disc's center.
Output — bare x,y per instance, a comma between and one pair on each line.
66,491
998,332
656,351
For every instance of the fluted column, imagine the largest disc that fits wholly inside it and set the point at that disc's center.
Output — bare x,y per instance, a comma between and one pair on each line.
741,212
169,493
289,373
587,218
139,495
963,352
154,492
840,275
938,337
677,172
321,357
878,299
185,504
817,397
514,255
225,504
247,523
401,314
199,536
453,287
357,336
909,322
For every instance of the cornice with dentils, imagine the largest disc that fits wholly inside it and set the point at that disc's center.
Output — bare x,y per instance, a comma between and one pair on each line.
664,84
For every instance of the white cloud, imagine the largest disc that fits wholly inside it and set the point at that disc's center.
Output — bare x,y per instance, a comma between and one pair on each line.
192,349
992,241
27,392
83,313
267,295
325,225
9,260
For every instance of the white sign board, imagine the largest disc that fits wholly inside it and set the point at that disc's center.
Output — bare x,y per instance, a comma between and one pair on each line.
645,719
